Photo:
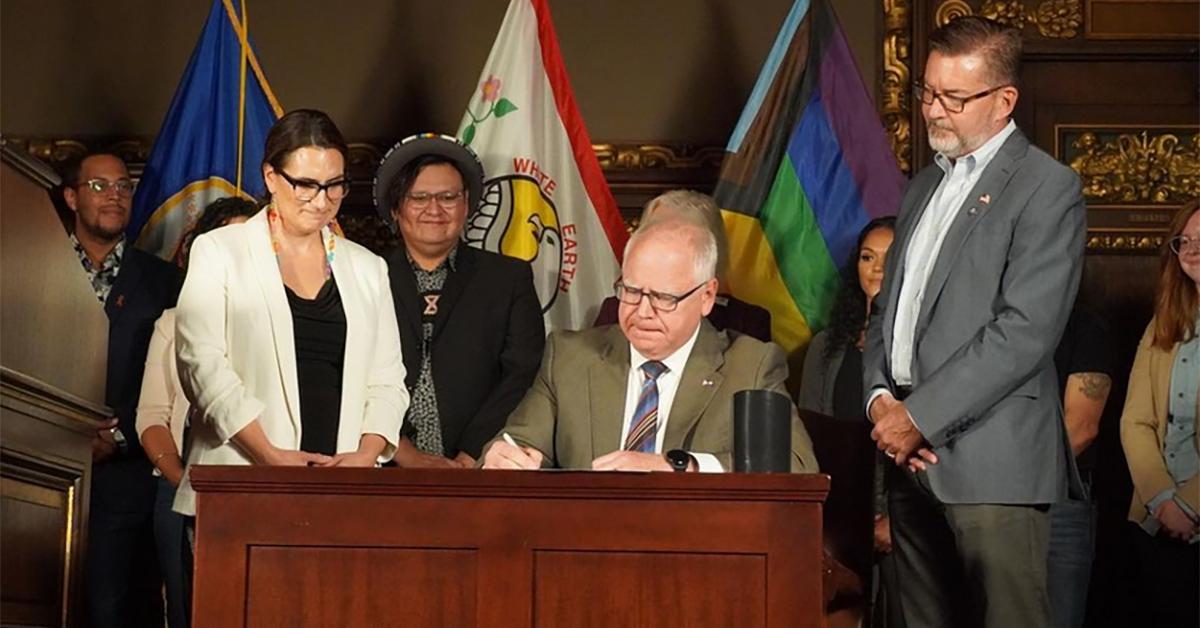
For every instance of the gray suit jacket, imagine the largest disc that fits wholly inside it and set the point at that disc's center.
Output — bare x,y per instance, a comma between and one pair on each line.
574,412
984,389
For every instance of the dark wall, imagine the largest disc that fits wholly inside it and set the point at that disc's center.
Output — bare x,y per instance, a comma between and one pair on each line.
671,70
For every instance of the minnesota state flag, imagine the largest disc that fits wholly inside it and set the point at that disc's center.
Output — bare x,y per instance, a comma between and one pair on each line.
211,142
807,167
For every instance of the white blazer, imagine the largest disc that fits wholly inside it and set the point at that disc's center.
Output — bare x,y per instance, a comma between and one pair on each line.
237,354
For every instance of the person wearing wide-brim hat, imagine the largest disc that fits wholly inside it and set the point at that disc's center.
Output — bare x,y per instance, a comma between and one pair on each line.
470,321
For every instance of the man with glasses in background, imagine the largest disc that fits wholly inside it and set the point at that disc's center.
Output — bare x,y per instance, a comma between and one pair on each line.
655,391
958,364
470,323
123,584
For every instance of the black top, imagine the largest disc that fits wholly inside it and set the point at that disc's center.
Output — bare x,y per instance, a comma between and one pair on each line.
486,343
320,328
1084,348
848,388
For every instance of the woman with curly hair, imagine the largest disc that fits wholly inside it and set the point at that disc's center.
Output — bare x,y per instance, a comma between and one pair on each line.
831,382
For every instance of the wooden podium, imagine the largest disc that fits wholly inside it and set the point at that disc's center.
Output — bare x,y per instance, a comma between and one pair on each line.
407,547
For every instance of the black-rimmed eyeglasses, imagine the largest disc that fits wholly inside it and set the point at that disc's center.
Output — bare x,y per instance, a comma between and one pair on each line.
660,301
952,104
307,189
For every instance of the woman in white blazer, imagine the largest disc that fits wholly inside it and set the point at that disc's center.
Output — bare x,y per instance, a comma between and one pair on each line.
286,333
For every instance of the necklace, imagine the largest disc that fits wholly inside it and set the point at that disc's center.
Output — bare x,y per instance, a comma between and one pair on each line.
329,242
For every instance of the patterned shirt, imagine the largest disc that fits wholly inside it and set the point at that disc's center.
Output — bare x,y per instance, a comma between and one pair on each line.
423,409
105,276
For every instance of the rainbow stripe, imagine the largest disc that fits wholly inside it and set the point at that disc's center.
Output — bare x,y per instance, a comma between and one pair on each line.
807,166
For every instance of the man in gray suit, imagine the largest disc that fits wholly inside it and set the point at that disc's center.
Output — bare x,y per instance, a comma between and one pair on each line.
655,392
958,364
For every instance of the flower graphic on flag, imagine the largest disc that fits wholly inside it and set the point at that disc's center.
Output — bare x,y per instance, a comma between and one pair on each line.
489,92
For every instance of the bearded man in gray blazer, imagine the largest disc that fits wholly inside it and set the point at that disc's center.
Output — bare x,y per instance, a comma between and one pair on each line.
654,392
958,363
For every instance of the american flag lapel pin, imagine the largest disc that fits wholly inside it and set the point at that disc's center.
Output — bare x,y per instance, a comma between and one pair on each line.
120,301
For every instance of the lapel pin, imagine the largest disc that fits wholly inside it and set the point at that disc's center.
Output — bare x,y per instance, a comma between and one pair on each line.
120,301
972,211
986,199
706,382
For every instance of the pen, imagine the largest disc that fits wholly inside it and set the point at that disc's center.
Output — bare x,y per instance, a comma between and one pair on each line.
509,439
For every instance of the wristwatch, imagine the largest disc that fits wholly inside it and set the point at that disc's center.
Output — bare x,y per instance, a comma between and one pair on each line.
679,460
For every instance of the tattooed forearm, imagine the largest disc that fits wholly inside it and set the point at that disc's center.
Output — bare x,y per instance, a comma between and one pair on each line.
1094,386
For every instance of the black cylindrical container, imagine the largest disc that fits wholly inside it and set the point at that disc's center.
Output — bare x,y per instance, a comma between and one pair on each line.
762,432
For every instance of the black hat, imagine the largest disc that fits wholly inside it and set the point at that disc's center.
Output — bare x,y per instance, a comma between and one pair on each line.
419,145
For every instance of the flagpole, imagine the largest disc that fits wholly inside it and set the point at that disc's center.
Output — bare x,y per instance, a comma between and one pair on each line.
243,37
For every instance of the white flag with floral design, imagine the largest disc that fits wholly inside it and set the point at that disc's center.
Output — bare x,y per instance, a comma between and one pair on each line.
545,199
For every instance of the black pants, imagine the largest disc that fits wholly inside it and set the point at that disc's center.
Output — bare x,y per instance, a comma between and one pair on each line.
1168,579
124,587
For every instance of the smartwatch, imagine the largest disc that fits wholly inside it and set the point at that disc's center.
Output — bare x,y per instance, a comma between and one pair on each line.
679,460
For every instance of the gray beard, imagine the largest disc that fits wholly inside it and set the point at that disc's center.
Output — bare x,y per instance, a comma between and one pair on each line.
949,145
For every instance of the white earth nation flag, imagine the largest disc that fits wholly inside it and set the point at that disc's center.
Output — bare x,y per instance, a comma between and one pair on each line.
545,199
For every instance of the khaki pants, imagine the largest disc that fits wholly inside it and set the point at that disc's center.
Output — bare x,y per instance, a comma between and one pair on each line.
968,565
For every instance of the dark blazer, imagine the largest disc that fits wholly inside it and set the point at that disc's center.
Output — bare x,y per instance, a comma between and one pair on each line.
145,287
487,343
984,390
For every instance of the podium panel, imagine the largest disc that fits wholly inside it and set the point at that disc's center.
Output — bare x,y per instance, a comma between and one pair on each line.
369,547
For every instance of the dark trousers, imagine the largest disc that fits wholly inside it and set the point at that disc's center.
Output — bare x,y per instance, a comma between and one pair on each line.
124,588
1168,580
1069,562
968,565
174,556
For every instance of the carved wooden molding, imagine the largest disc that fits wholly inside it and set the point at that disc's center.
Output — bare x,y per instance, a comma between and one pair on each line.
1122,165
654,156
896,96
1129,241
1052,19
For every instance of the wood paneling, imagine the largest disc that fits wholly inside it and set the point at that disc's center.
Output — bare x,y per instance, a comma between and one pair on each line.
1143,19
505,548
303,586
52,328
45,470
648,589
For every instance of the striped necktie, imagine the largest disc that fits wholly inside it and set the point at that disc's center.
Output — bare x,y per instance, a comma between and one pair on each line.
644,426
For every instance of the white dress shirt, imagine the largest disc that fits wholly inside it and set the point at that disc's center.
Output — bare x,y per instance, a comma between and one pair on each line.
668,385
926,243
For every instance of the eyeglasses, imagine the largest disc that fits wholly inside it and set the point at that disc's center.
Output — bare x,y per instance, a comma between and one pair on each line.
660,301
1181,244
124,187
952,104
445,200
307,189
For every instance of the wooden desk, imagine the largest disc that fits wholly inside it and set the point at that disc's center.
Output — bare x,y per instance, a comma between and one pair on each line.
374,547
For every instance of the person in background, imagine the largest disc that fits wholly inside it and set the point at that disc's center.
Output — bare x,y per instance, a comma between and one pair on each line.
1084,366
123,584
831,384
1159,434
470,322
728,312
161,420
285,332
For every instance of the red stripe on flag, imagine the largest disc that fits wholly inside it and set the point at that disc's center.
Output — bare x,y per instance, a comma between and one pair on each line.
581,144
